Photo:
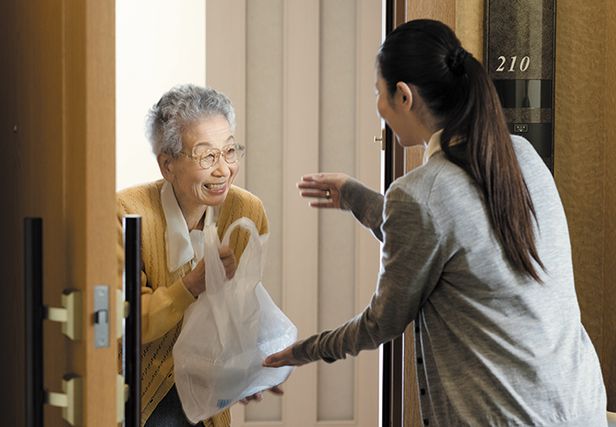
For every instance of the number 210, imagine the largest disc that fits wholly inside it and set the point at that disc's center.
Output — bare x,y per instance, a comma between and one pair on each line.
524,63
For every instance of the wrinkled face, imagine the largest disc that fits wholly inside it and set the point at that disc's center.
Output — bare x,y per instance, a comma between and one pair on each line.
193,185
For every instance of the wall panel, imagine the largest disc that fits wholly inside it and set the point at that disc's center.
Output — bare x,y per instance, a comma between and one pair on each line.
304,73
609,283
579,148
337,140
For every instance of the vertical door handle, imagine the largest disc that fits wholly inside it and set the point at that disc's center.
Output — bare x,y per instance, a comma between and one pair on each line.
34,310
132,335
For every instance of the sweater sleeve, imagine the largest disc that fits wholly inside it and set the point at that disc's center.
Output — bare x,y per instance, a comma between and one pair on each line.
365,204
411,265
161,308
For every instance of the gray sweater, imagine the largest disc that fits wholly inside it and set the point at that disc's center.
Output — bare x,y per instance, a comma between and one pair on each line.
493,347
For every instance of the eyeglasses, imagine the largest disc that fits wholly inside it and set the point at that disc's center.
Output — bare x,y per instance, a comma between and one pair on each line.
210,156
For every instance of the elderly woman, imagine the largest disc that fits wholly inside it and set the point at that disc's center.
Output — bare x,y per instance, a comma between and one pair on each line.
191,132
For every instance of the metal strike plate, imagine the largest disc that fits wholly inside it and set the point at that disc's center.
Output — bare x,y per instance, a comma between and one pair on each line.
70,400
101,316
69,314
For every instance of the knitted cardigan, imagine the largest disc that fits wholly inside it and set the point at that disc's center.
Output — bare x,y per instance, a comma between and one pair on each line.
163,295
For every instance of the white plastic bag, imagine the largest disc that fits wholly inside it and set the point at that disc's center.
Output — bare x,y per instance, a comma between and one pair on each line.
228,332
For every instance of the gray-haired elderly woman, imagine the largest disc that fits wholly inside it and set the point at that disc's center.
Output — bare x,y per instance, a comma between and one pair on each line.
191,130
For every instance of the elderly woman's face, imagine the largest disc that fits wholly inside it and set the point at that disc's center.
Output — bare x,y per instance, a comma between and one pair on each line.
194,185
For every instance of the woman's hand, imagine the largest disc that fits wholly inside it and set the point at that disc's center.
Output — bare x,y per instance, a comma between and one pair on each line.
194,281
323,186
259,396
282,358
228,260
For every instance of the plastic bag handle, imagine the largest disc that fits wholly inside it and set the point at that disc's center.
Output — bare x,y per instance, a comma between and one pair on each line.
241,222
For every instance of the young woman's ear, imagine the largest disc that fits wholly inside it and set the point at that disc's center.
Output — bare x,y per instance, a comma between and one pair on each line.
405,95
165,164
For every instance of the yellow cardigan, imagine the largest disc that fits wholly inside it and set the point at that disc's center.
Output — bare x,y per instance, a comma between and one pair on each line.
163,295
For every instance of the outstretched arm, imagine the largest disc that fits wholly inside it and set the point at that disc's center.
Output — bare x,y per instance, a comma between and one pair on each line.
340,191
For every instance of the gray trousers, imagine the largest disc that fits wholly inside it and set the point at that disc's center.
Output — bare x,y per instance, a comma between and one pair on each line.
169,412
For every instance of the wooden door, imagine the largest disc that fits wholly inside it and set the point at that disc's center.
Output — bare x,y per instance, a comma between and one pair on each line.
57,163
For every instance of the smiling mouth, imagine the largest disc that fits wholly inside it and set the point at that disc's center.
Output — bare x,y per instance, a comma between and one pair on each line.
215,187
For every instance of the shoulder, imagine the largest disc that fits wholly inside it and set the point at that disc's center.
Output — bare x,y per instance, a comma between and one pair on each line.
242,203
140,198
437,178
243,200
531,164
523,148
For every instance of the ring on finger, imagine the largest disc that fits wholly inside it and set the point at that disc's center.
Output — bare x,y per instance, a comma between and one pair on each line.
328,194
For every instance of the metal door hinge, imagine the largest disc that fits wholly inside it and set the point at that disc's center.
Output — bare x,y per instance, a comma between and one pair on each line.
70,400
122,394
122,310
69,314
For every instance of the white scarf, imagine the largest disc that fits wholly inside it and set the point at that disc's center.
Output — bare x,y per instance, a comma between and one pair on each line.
182,246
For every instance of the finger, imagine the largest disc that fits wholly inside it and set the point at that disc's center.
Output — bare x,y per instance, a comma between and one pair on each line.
317,194
275,360
312,177
277,390
228,260
323,204
225,251
279,360
230,271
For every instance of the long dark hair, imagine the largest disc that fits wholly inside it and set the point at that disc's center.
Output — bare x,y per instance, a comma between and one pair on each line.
459,93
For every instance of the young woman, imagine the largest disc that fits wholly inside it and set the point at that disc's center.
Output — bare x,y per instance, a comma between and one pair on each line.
475,250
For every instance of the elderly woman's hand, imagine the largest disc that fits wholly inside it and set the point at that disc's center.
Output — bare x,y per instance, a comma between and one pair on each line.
194,281
323,186
228,260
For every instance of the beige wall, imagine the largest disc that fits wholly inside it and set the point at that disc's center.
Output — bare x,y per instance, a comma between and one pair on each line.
301,75
149,62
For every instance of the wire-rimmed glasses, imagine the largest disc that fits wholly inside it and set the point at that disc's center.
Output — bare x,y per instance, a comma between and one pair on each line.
208,157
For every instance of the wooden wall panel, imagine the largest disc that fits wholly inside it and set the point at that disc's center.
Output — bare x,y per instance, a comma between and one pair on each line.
441,10
585,157
579,147
609,283
469,23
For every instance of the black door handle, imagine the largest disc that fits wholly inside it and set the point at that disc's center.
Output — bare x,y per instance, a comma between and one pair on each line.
34,311
132,335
